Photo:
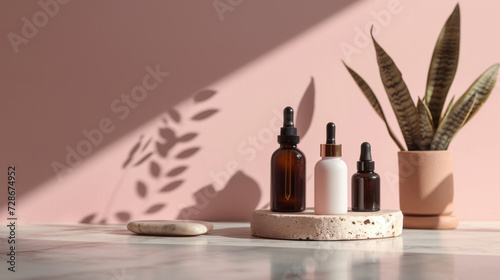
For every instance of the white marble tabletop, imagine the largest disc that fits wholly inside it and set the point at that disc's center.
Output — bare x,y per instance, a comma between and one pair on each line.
76,251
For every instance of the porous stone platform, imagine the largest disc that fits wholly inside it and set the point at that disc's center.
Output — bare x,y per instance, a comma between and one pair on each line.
308,226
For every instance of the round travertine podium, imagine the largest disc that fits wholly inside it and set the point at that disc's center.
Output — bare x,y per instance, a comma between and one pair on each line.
308,226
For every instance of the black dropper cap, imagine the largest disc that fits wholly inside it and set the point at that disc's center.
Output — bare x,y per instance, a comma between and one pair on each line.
330,133
288,133
330,149
365,163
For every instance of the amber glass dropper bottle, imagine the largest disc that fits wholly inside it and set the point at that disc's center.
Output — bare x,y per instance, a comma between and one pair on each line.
288,170
365,185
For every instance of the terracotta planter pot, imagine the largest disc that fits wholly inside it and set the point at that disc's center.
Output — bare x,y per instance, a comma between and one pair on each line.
426,189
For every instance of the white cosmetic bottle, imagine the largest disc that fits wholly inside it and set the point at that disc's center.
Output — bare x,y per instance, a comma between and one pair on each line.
330,178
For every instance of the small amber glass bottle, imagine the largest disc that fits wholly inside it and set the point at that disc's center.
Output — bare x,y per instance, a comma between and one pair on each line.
365,185
288,170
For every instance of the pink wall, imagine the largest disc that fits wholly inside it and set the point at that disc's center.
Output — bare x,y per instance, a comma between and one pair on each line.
77,68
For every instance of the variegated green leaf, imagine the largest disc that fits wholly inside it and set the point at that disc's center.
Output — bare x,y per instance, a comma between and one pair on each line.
367,91
452,123
448,108
443,65
483,87
426,126
399,96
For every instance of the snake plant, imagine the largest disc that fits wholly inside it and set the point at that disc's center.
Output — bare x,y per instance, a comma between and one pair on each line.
425,126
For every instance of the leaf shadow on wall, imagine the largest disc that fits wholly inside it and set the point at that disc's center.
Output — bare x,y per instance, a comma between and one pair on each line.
163,166
305,110
235,202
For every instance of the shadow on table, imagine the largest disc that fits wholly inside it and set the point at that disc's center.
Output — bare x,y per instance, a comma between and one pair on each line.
237,232
121,232
485,229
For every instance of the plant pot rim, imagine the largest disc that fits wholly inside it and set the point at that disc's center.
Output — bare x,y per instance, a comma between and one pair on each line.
426,151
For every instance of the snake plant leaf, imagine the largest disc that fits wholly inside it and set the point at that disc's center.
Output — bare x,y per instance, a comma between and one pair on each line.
443,65
483,87
452,123
367,91
448,108
399,96
426,126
